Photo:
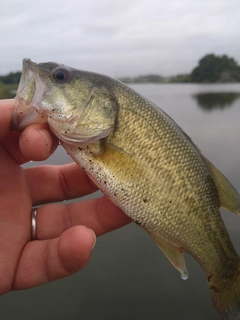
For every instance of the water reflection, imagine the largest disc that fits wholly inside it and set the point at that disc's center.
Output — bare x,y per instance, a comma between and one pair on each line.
216,100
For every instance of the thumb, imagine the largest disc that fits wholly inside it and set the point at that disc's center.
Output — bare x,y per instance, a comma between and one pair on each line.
47,260
6,110
74,248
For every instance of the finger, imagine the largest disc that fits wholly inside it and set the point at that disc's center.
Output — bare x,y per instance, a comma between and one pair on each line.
48,260
9,139
56,183
11,145
14,207
37,142
6,111
100,215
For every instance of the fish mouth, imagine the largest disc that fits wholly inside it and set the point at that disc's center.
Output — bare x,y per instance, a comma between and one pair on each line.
30,92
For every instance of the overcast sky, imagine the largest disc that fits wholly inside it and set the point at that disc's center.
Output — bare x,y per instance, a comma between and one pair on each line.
118,37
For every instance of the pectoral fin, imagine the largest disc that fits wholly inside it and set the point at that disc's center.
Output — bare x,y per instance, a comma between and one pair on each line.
228,196
175,255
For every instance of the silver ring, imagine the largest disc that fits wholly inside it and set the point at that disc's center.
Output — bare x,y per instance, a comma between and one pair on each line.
34,224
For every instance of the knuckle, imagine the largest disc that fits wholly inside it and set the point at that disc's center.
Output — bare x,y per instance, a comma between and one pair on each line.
67,217
63,184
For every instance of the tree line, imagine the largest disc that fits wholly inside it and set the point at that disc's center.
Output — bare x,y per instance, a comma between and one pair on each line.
213,68
9,84
210,69
11,78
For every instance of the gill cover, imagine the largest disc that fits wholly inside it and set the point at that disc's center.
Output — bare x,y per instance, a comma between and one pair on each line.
78,110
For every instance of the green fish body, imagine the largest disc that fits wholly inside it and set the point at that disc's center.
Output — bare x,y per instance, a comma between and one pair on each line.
143,161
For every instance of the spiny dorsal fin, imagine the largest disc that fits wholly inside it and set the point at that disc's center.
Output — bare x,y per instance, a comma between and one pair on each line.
228,196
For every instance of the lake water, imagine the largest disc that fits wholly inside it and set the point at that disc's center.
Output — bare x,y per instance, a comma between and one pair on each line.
128,277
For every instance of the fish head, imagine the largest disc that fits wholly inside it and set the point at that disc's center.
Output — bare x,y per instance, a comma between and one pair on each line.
78,107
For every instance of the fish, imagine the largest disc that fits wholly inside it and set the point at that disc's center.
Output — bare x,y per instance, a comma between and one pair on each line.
146,165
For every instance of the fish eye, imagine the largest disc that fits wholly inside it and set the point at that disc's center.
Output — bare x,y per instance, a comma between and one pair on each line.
61,75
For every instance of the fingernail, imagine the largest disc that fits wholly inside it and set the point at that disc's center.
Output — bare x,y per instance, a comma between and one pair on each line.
95,239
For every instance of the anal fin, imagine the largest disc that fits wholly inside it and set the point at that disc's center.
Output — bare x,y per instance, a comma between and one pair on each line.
174,254
228,196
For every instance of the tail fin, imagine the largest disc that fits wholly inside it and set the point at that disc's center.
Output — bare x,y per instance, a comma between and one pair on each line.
226,297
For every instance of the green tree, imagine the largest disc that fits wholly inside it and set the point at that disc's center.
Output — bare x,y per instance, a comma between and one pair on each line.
7,91
212,68
11,78
9,84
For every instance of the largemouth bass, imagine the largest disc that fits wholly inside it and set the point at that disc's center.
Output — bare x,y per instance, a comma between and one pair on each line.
144,162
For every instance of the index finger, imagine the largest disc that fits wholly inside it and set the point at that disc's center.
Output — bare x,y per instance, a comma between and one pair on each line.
6,114
22,145
98,214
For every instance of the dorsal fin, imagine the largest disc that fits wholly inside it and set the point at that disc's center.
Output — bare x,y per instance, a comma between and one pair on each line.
228,196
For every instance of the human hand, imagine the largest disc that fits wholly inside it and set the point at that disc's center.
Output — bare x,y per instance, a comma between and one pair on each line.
65,232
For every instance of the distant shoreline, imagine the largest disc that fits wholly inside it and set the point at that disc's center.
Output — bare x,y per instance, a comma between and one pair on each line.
210,69
182,78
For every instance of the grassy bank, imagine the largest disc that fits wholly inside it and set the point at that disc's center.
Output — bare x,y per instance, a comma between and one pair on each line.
7,91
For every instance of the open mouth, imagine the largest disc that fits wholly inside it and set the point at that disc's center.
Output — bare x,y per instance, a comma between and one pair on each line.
29,96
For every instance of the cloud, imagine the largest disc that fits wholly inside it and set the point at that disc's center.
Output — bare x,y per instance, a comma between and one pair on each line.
122,37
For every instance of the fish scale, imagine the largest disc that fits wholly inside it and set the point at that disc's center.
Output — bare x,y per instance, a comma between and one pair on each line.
161,215
143,161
